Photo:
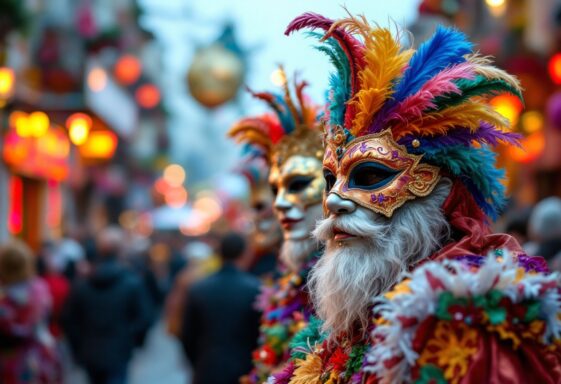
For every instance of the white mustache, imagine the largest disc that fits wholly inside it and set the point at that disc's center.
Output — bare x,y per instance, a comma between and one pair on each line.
361,223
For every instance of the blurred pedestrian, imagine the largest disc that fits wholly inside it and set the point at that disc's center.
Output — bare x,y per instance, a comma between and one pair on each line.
200,263
56,282
545,231
106,313
27,349
220,323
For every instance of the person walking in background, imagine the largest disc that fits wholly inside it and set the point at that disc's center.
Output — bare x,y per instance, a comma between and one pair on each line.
220,323
27,349
200,263
106,313
545,231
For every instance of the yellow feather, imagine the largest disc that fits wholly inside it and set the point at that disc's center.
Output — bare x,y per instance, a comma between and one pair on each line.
468,115
383,64
251,131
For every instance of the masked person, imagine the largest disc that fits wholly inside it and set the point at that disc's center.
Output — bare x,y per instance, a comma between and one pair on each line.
266,233
411,188
294,149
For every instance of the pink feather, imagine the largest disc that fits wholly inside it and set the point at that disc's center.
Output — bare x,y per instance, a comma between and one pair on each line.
441,84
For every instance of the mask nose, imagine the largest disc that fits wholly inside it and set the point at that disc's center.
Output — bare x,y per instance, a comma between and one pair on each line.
281,202
337,205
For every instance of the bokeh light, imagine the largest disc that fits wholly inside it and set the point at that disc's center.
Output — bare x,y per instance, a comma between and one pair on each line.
209,207
97,79
7,82
176,197
100,145
38,123
554,68
174,175
128,69
532,121
79,126
532,148
509,106
148,96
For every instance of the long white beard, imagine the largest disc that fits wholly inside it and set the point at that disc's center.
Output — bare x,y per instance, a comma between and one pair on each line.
294,253
349,275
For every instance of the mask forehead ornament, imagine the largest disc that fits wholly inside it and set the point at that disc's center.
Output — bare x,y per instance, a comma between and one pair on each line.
399,119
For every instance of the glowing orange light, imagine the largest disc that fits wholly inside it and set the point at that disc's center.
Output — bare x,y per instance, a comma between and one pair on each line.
176,197
79,125
100,145
15,214
147,96
209,207
509,106
532,148
19,121
554,68
532,121
7,82
128,69
161,186
38,123
97,79
174,175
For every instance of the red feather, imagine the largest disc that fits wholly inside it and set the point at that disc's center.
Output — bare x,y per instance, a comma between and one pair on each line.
353,48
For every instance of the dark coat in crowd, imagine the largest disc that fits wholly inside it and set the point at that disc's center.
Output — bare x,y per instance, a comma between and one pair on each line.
104,315
220,326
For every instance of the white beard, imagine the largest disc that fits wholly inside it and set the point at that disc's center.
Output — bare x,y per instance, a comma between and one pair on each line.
294,253
300,244
352,273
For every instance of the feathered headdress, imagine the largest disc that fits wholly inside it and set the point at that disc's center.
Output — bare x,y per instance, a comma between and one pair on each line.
432,100
293,130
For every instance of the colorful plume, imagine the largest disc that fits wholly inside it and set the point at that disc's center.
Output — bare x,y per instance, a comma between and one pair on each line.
433,99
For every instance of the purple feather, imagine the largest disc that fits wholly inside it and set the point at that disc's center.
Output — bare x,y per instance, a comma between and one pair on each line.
486,134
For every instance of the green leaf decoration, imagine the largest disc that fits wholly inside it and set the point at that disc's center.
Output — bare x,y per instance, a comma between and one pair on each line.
445,300
532,311
431,374
355,361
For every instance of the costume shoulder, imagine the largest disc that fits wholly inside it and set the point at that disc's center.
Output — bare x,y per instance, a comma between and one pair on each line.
480,319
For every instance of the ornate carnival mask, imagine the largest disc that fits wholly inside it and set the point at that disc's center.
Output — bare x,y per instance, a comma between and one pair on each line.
296,179
375,172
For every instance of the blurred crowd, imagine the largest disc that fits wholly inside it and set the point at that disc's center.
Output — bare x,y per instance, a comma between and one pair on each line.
91,300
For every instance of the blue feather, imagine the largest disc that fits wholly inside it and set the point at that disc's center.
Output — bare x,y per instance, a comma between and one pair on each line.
446,47
476,168
339,81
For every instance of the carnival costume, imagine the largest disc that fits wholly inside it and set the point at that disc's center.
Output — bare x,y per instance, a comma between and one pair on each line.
293,146
403,126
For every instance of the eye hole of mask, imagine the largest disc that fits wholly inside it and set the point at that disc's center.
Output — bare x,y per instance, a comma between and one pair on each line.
371,176
330,179
299,183
274,189
259,206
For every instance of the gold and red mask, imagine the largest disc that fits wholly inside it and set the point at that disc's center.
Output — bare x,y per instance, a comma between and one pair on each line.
375,172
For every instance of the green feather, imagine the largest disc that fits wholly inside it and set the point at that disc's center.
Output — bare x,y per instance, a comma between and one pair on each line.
480,86
307,337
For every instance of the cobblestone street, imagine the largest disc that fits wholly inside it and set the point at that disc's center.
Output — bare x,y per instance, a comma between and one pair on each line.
159,362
